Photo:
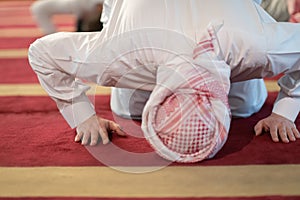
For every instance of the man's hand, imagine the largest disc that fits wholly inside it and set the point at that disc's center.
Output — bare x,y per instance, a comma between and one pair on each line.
92,128
279,128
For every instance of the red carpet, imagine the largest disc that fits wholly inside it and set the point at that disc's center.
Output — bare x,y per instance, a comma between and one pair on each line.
18,42
16,70
33,123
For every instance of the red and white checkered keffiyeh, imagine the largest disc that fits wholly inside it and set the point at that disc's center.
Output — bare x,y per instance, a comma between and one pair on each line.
183,124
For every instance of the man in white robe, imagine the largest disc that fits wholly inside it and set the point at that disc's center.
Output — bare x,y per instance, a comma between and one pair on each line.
145,39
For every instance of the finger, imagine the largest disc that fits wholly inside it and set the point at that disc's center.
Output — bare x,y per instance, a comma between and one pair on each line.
78,136
266,128
94,138
85,139
283,134
116,128
296,132
274,134
102,130
258,128
104,135
290,134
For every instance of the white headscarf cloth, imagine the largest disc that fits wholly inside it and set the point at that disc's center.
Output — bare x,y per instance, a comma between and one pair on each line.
187,116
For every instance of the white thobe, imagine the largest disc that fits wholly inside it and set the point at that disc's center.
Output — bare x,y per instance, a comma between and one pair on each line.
245,98
144,36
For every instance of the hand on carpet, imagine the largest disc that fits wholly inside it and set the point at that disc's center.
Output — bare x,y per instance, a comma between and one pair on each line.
90,130
279,127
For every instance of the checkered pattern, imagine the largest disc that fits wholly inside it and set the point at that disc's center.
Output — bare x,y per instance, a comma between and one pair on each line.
183,126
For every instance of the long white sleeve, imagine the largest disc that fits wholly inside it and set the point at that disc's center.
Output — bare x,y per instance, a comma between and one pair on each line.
284,56
267,53
288,101
61,85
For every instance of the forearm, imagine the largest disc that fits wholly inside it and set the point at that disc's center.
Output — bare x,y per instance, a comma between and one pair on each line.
61,85
288,101
76,111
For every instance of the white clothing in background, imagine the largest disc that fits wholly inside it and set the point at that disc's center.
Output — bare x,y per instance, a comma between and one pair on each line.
106,11
278,9
43,10
143,37
258,1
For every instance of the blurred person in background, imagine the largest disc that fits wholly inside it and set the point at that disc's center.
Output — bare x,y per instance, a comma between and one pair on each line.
87,13
283,10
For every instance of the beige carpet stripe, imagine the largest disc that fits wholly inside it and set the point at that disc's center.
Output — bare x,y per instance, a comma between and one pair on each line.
28,20
225,181
37,90
28,32
13,53
272,86
5,3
